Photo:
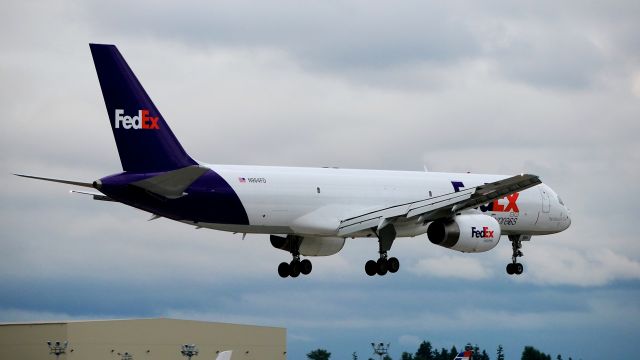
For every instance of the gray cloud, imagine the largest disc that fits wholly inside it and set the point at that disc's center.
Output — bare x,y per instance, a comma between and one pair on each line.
495,87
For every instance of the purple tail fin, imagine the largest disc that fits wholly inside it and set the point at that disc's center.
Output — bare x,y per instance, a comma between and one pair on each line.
144,140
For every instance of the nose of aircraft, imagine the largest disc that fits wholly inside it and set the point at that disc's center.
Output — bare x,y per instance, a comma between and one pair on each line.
567,220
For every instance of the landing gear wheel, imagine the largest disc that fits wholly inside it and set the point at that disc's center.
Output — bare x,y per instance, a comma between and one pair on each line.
510,269
305,267
371,268
283,270
518,268
393,264
383,267
294,268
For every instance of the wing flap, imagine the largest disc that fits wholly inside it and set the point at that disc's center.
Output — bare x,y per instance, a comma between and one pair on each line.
429,205
371,220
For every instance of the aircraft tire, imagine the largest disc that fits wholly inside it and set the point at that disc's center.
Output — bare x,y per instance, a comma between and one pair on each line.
371,268
294,268
510,269
305,267
393,264
382,266
283,269
518,269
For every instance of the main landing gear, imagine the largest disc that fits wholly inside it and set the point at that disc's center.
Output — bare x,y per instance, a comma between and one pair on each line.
296,266
385,264
516,244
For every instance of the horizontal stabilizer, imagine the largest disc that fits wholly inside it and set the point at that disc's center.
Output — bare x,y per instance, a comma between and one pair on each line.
172,184
96,196
69,182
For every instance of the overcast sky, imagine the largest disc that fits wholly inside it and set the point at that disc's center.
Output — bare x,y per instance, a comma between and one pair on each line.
545,87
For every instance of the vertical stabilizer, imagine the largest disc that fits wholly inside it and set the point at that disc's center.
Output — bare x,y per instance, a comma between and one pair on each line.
144,140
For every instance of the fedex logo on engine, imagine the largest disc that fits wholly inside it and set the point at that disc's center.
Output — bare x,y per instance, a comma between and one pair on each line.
485,232
140,121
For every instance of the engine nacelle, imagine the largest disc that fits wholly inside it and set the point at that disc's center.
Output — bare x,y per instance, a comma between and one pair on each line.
309,245
466,233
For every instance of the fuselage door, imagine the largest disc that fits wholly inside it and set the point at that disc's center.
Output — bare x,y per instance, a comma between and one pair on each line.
546,204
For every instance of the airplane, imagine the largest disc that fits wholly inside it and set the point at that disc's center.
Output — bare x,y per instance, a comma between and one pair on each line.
466,354
309,211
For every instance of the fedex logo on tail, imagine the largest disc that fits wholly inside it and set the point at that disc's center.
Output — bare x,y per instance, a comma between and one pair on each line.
485,232
140,121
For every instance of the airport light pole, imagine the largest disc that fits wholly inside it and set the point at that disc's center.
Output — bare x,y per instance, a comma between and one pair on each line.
189,350
380,349
57,348
126,356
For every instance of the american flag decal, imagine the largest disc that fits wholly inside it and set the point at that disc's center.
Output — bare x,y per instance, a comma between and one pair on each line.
242,180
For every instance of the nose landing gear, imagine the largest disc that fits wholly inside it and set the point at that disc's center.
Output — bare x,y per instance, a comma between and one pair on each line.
516,244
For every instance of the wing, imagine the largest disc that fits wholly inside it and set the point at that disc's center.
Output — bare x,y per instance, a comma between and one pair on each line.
438,207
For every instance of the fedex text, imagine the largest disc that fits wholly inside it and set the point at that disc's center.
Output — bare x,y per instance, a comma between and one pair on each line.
485,232
140,121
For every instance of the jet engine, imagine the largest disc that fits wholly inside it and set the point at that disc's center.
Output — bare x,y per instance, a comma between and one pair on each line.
309,245
465,233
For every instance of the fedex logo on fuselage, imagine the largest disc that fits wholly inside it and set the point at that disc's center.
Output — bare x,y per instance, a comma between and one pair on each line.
140,121
485,232
495,205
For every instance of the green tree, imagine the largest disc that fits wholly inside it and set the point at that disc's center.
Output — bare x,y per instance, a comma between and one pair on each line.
319,354
476,352
354,356
500,353
453,351
484,355
425,352
559,357
387,357
444,355
531,353
406,356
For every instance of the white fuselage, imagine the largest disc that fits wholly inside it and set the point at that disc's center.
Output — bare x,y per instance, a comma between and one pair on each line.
313,201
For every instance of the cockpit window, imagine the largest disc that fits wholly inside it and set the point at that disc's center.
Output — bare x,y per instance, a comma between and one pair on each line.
560,201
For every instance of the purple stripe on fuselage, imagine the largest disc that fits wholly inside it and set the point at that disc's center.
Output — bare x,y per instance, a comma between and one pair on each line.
209,199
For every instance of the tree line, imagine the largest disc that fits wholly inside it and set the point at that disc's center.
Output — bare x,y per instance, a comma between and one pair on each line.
426,351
